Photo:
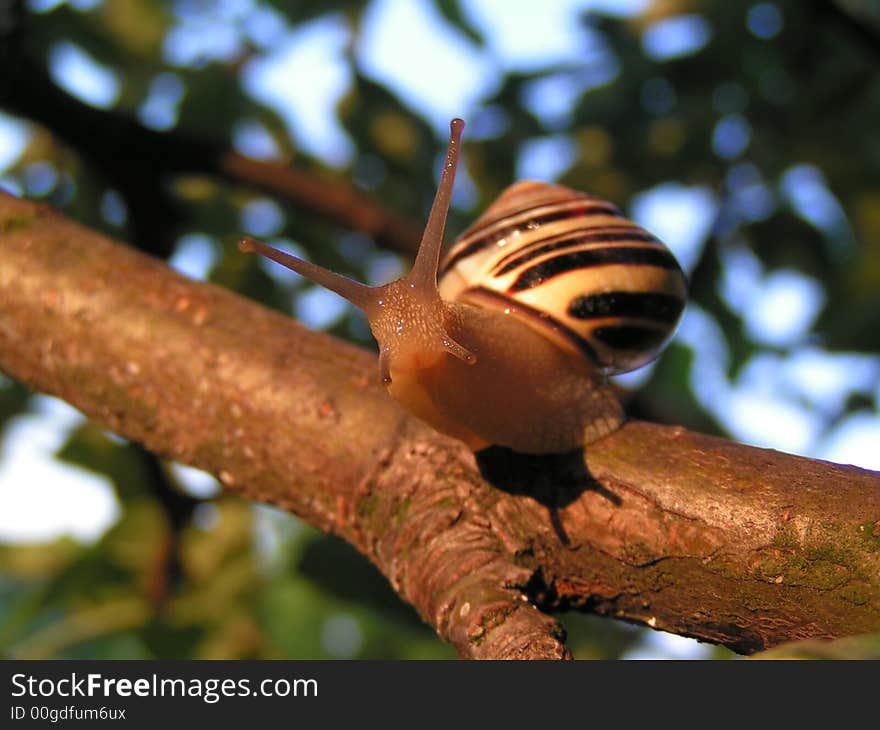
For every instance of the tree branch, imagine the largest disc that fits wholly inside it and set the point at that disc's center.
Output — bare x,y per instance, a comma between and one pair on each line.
134,159
700,536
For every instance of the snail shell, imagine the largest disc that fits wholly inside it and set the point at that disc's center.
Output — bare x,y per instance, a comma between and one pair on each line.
572,267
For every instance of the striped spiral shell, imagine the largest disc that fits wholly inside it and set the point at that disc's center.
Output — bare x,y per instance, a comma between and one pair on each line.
572,267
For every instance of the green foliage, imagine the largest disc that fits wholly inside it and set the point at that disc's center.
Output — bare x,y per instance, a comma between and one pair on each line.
186,576
851,647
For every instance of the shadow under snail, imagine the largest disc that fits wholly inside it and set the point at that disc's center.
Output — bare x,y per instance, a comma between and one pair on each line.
509,340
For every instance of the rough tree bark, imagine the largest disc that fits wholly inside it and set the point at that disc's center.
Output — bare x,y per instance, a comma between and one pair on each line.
696,535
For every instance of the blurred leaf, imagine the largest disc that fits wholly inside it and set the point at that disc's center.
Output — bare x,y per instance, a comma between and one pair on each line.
36,561
343,572
451,10
669,393
88,622
305,10
784,240
138,25
851,647
593,637
207,551
13,399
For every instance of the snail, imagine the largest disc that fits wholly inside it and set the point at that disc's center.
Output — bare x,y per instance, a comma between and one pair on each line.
509,340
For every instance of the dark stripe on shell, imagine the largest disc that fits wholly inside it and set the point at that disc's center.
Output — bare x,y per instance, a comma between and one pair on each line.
568,237
481,242
630,337
533,253
660,307
628,256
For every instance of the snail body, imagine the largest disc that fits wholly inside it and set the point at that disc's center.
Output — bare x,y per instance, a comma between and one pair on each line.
546,294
